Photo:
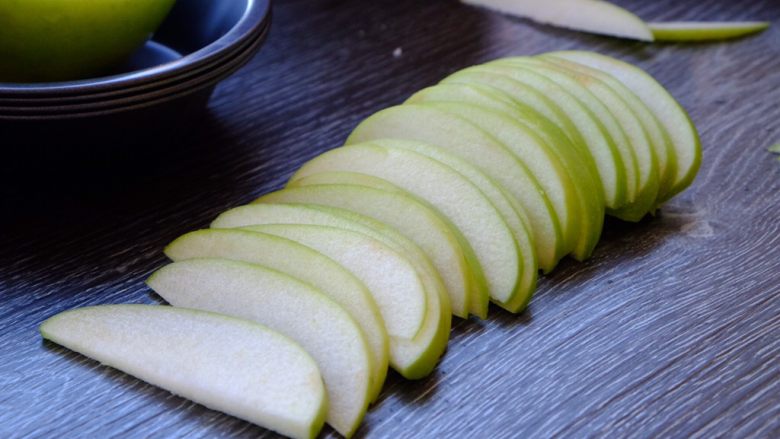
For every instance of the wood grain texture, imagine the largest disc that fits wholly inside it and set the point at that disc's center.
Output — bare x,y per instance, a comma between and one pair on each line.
672,329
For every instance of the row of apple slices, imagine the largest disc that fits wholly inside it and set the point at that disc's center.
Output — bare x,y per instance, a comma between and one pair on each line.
434,208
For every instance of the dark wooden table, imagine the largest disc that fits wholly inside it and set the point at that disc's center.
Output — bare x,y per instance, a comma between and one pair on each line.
672,329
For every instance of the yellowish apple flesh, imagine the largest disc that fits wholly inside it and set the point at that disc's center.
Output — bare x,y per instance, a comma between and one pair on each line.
704,30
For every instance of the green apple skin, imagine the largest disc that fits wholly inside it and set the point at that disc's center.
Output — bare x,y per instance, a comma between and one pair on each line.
635,133
61,40
672,116
449,192
234,366
657,134
414,220
456,134
693,31
302,263
293,308
564,110
593,16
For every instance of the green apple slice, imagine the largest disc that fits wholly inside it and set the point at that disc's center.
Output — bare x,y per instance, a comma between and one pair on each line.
302,263
414,220
704,30
658,136
553,87
230,365
464,139
563,109
542,145
431,342
291,307
506,205
389,276
673,117
593,16
449,193
635,133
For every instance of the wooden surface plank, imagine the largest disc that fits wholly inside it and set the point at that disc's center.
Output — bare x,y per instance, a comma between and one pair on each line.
672,329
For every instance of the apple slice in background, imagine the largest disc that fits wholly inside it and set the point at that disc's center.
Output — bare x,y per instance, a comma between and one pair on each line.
451,194
593,16
544,144
304,264
658,136
467,141
227,364
394,284
565,111
295,309
672,116
704,31
418,223
635,133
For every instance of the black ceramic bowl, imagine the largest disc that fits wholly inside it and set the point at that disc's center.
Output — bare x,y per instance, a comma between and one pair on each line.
196,36
145,105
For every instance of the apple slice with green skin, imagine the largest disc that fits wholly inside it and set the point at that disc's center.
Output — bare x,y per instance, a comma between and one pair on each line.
302,263
588,103
635,134
449,193
541,145
658,136
227,364
683,134
53,40
506,205
593,16
432,340
394,284
565,111
295,309
412,219
467,141
703,30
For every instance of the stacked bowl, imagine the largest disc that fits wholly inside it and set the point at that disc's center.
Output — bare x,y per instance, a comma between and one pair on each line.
172,76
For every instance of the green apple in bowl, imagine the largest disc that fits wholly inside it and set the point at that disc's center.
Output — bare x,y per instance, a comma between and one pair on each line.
61,40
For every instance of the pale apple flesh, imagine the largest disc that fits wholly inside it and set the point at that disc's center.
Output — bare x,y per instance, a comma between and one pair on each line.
302,263
235,366
415,221
594,16
448,192
291,307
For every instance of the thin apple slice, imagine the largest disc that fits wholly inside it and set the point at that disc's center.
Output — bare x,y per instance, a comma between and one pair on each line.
636,138
563,109
464,139
673,117
540,144
291,307
415,221
302,263
704,30
658,136
227,364
432,339
593,16
391,279
449,193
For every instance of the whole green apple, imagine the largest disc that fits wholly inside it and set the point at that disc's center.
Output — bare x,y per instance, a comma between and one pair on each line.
61,40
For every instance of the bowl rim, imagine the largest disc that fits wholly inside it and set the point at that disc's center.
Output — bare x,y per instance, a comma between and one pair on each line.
252,21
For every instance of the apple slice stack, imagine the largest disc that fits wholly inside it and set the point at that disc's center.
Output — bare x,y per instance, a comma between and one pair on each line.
433,208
